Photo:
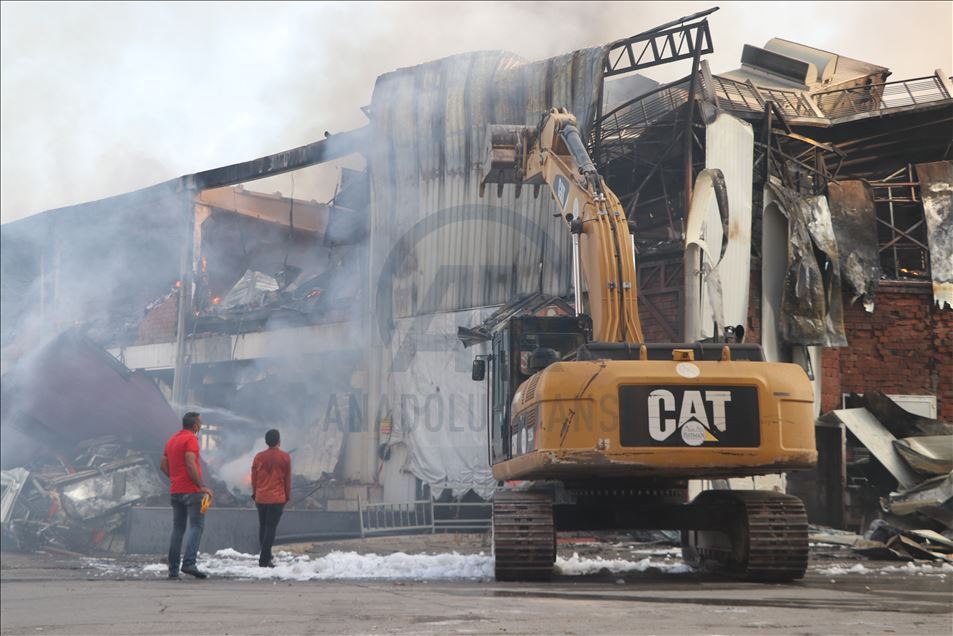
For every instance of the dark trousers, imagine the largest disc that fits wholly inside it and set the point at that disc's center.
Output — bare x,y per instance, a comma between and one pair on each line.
268,517
186,508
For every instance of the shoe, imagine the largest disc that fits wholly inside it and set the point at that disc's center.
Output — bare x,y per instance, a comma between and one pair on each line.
197,573
174,576
270,564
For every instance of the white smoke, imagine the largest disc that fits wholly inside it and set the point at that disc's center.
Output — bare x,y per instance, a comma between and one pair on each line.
99,99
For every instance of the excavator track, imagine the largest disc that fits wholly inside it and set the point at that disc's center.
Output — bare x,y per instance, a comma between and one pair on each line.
524,536
764,537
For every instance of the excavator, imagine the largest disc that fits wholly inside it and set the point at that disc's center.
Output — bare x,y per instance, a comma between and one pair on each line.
591,428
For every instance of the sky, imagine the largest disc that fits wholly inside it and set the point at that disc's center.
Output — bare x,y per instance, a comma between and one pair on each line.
98,99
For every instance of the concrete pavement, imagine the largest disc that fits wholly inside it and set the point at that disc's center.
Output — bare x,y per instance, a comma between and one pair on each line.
42,595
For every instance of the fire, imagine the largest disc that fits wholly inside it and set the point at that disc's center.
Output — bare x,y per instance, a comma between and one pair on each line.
216,300
247,480
178,284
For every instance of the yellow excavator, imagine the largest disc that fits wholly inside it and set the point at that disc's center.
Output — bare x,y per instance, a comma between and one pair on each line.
591,428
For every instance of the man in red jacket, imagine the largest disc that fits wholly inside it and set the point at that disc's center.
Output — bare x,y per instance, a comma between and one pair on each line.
271,490
180,462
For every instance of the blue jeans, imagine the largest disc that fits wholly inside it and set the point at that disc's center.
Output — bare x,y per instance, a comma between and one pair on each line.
185,507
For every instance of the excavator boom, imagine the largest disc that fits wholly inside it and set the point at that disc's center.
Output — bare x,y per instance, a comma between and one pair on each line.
554,155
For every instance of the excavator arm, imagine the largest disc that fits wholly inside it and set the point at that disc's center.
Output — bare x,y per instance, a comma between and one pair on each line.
554,155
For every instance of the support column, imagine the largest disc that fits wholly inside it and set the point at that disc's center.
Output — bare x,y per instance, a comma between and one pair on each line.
180,381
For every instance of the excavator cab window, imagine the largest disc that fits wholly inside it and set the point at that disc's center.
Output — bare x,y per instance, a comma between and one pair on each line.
561,343
499,387
513,348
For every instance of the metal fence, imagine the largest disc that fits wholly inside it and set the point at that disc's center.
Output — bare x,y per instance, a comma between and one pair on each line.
423,517
621,128
616,133
737,96
791,103
463,517
745,97
395,518
873,97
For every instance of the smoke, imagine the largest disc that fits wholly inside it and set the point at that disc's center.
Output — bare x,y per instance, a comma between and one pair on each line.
99,99
95,268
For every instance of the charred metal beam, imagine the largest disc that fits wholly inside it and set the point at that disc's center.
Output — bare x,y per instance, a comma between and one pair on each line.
766,142
689,120
329,149
666,43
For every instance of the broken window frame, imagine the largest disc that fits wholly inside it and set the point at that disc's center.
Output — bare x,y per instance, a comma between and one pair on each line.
901,226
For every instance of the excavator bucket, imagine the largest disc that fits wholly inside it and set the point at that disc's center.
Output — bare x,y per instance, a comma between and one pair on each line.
506,149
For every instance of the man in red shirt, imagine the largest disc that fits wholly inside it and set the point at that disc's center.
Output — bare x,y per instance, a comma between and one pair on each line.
271,490
180,462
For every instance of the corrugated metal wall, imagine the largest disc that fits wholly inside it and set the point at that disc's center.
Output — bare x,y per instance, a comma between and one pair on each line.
436,245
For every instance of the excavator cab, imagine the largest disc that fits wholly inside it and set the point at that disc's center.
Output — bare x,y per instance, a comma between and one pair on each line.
519,350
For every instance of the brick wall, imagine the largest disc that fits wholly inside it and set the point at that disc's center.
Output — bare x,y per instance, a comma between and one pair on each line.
660,307
663,319
159,324
754,304
660,300
905,346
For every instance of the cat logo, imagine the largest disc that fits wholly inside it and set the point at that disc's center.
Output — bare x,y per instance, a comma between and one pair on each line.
695,415
690,418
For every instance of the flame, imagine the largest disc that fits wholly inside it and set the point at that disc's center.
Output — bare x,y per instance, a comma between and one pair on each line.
247,480
216,300
178,284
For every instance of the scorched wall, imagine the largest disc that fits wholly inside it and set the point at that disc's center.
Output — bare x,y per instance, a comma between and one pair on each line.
904,347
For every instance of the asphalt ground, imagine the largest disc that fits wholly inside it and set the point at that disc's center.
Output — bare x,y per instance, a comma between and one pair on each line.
67,594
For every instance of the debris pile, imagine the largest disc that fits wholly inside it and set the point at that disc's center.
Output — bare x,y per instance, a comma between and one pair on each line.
294,297
82,439
79,504
884,542
898,468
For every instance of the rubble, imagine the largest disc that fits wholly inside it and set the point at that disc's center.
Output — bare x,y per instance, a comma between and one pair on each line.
78,504
900,422
930,454
87,434
886,542
900,469
877,439
252,290
292,297
933,498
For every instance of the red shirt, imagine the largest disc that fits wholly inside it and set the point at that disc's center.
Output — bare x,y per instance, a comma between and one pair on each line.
175,449
271,476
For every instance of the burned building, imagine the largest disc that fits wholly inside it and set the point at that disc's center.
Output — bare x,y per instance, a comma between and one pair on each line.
338,320
264,334
818,123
